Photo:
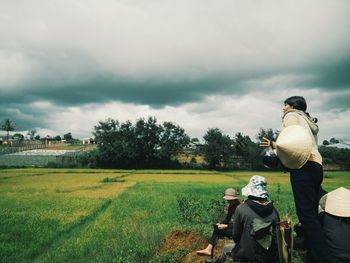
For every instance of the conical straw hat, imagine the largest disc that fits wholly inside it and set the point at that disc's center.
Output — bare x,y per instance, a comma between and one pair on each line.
337,202
294,145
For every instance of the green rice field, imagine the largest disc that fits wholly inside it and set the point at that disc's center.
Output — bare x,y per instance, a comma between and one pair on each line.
86,215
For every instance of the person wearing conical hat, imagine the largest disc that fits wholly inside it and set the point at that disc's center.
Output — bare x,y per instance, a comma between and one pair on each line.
336,223
296,147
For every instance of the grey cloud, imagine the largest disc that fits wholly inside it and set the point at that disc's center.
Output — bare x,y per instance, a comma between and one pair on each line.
336,76
156,92
24,117
161,53
330,75
339,101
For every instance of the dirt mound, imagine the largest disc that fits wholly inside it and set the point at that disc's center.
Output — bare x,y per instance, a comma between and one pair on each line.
179,240
194,258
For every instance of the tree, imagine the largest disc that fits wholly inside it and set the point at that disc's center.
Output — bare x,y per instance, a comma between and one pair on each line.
334,155
68,137
143,145
37,137
217,148
57,138
31,134
105,133
333,141
8,125
147,139
267,133
194,143
241,143
249,150
172,140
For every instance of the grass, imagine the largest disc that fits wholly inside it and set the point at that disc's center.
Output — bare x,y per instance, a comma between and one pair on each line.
77,215
79,147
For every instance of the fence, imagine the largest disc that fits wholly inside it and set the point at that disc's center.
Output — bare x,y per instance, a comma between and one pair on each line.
27,146
39,158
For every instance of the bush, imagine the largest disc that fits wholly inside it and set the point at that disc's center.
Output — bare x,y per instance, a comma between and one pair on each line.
112,180
192,210
336,155
89,159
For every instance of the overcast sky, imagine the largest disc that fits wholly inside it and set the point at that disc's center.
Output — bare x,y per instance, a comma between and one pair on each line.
228,64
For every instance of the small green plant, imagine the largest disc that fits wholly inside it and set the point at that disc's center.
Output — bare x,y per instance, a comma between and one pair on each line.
328,176
216,210
112,180
189,208
193,209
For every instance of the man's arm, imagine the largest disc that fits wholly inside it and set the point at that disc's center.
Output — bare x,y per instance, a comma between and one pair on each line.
237,225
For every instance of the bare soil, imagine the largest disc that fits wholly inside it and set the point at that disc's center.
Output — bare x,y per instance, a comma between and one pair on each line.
179,240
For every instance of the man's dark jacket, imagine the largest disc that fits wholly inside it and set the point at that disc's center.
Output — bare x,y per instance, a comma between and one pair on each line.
246,247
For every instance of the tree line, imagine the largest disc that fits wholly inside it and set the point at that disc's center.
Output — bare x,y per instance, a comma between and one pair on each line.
148,144
145,144
8,125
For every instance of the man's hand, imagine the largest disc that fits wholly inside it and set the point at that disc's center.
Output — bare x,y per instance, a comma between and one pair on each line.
222,226
267,143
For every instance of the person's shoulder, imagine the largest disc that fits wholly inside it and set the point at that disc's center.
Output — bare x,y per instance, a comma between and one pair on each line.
275,213
242,207
242,204
292,118
292,114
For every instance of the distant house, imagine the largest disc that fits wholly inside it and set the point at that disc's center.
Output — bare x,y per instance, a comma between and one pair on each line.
4,140
88,141
48,139
3,136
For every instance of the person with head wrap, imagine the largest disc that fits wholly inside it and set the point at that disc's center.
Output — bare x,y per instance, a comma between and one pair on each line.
253,227
335,217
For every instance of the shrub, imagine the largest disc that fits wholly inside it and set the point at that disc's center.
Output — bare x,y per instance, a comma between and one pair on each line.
192,209
112,180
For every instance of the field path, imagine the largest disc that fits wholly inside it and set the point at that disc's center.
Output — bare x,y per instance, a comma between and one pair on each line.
77,227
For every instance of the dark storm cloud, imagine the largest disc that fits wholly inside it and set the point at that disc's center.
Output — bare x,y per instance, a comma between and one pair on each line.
157,93
160,92
24,116
331,75
339,101
73,82
60,57
147,53
154,93
336,76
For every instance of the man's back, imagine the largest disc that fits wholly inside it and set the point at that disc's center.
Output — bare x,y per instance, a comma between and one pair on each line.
247,219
